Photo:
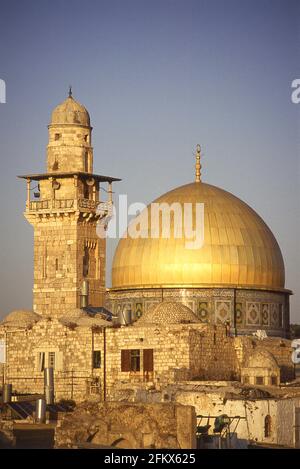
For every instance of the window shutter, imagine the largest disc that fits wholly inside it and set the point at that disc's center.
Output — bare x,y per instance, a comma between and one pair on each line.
41,361
125,360
148,359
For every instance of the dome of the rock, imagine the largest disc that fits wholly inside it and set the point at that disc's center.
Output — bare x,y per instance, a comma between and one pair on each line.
239,249
229,271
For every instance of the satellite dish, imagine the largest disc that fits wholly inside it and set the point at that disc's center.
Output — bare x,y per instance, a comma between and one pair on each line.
55,185
90,181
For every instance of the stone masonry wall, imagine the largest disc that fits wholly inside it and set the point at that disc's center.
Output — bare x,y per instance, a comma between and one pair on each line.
212,354
279,348
74,377
60,244
180,352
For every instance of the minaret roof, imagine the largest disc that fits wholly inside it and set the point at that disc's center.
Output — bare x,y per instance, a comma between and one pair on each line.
71,112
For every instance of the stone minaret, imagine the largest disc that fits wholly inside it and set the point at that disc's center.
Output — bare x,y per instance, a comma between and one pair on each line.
69,257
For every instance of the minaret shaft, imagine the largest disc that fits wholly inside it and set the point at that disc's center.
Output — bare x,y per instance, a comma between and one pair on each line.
68,253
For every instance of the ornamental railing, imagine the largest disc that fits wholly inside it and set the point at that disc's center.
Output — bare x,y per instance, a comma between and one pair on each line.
48,204
87,203
63,203
39,205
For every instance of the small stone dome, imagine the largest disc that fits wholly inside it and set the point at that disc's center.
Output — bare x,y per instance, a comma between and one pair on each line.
261,358
168,312
79,317
70,112
21,318
74,313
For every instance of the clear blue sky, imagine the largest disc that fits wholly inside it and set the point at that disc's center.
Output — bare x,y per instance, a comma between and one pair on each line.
157,77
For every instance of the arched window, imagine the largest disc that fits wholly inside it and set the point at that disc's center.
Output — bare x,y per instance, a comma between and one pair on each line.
86,262
86,161
267,426
86,191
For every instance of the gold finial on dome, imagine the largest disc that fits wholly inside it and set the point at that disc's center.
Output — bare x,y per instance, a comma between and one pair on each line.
70,91
198,164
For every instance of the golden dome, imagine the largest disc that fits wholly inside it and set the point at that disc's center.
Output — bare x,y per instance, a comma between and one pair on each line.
239,249
70,112
168,312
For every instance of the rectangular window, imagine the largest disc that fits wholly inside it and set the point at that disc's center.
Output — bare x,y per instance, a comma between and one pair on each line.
259,380
96,359
274,380
130,360
51,360
148,359
135,360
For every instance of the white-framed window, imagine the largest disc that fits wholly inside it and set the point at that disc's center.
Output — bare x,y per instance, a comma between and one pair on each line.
49,359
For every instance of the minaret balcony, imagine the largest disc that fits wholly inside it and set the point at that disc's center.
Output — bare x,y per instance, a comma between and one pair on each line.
46,205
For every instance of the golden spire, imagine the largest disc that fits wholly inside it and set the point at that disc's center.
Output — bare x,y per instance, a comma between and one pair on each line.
198,164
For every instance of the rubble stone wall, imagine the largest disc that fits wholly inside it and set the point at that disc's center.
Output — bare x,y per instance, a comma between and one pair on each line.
129,425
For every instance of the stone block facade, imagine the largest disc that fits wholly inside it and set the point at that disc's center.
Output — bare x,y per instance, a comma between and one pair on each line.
72,349
180,352
67,251
96,360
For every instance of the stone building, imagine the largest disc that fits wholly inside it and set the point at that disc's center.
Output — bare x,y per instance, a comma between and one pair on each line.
92,356
270,420
193,312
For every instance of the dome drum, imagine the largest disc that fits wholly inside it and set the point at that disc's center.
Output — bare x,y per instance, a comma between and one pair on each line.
245,310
